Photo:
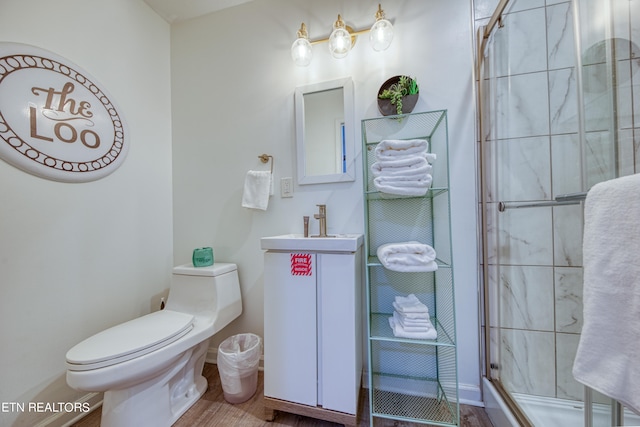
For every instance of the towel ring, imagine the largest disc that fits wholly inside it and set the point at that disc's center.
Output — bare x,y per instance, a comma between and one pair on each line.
264,158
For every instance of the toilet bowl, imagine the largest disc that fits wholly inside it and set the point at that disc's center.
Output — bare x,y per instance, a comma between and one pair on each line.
150,368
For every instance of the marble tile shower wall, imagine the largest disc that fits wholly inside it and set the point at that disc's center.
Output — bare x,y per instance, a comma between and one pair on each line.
533,145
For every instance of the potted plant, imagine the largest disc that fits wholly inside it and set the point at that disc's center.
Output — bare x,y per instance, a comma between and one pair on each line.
398,95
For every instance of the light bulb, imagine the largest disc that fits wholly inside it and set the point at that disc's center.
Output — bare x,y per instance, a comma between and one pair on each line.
339,40
301,52
381,35
381,32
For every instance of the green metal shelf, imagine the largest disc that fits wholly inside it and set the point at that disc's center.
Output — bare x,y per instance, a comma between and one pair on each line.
381,331
412,380
432,407
431,193
373,261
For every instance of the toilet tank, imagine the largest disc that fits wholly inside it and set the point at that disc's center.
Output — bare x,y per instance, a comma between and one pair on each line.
212,291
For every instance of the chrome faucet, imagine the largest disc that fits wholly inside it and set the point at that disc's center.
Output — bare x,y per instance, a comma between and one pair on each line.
321,216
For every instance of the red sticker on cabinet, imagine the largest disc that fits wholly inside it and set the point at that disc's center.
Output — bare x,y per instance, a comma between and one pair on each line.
301,264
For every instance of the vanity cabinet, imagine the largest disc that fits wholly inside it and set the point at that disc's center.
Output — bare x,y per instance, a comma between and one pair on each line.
312,333
410,379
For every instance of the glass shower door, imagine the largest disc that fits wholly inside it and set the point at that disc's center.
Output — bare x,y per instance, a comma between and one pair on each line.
560,114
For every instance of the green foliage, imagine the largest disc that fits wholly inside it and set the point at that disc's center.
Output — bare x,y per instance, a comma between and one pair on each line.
405,86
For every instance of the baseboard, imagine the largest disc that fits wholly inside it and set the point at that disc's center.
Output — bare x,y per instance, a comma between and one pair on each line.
470,394
65,419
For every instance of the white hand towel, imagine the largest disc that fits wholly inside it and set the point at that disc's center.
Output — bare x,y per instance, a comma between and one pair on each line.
407,257
392,148
398,331
257,186
405,166
410,299
412,311
409,304
423,325
417,316
607,356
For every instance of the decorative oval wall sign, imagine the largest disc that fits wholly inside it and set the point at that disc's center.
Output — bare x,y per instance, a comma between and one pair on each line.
56,122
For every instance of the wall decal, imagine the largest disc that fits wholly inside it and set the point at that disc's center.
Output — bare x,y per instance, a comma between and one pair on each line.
301,264
56,121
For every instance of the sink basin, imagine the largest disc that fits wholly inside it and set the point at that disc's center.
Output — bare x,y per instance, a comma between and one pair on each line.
297,242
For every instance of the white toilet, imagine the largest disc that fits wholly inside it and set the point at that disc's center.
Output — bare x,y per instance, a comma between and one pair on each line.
150,368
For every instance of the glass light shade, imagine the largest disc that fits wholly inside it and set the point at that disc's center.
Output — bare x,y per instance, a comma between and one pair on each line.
339,43
381,35
301,52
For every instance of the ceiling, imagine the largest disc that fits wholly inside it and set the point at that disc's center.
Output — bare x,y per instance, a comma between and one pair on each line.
180,10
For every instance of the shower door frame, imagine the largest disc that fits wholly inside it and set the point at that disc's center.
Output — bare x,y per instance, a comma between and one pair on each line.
483,35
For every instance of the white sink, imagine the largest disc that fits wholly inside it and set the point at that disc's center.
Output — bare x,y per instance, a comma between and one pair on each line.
297,242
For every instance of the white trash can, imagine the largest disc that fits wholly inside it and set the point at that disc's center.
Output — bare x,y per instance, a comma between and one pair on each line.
238,360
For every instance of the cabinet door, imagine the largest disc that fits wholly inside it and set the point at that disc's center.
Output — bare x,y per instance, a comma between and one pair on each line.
290,346
340,356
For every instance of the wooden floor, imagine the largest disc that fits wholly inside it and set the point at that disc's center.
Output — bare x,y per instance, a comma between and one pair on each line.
213,411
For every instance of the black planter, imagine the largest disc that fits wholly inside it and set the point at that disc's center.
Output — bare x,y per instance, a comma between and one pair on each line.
385,106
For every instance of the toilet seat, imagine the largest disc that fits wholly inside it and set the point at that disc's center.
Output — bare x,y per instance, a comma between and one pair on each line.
129,340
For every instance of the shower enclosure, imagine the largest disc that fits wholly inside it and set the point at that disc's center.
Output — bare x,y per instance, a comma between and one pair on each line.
559,106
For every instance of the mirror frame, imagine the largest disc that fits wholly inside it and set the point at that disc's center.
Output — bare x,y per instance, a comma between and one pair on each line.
348,103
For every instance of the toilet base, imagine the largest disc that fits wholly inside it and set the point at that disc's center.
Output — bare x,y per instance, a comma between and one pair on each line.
160,401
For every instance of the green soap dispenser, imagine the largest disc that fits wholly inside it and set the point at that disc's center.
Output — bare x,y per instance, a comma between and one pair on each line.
202,257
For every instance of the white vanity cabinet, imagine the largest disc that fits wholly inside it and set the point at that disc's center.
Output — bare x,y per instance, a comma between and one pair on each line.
312,333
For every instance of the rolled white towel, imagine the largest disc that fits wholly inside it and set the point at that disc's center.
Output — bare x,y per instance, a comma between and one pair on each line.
413,185
404,166
398,331
392,148
407,257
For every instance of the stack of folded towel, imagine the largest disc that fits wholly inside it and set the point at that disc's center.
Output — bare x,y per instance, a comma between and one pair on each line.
403,167
408,257
411,319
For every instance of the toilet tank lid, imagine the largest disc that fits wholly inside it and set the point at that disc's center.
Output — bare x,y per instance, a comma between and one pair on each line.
216,269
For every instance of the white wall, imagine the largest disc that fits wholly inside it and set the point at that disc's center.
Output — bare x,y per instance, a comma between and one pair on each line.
232,95
77,258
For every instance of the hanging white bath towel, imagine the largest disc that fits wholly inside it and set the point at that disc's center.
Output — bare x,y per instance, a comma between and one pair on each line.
257,186
608,356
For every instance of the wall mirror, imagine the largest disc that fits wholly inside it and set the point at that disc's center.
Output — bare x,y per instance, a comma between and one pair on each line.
324,132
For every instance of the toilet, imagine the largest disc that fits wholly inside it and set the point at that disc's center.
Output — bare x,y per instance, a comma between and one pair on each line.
150,368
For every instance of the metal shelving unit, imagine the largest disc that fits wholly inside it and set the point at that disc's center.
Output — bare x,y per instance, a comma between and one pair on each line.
410,379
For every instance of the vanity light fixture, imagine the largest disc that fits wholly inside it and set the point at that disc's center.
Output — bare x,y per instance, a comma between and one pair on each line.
342,39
